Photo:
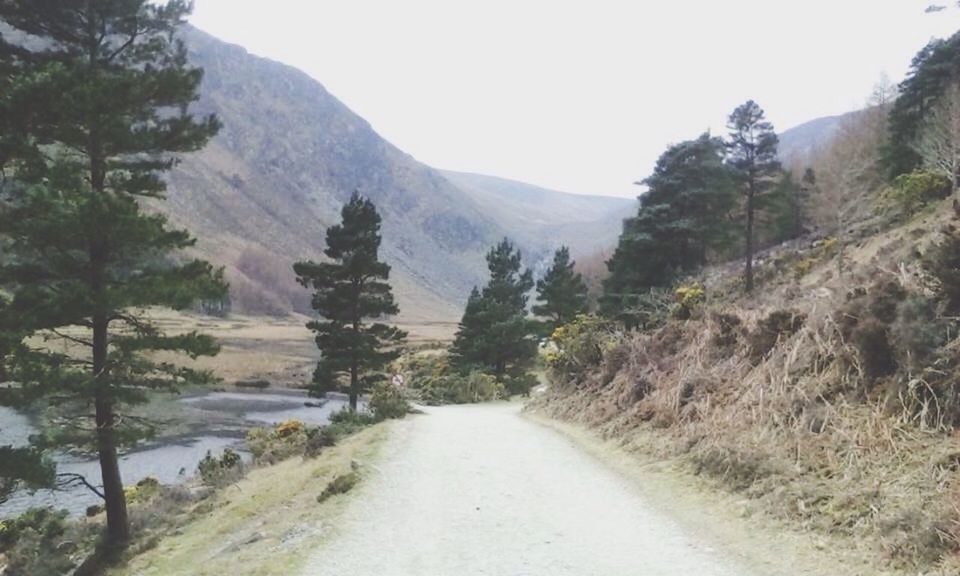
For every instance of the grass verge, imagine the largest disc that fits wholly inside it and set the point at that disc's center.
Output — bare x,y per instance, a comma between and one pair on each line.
264,525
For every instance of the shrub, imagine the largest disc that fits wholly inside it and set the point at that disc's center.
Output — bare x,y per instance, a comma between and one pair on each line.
387,402
255,384
942,263
581,345
912,192
873,345
340,485
431,378
770,330
346,422
317,439
648,310
47,522
474,387
917,332
686,298
220,471
143,491
520,384
288,428
32,542
729,329
282,441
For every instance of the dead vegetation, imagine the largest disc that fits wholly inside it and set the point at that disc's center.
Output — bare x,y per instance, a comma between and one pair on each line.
830,400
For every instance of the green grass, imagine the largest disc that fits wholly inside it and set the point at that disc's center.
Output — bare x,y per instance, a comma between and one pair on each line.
266,525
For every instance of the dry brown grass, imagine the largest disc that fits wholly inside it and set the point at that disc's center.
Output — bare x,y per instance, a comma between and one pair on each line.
796,429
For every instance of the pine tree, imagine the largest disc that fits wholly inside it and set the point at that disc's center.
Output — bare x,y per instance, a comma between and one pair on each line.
562,292
682,219
753,160
348,291
112,88
495,335
931,72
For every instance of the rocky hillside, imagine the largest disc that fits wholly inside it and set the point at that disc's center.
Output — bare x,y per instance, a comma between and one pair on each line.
262,194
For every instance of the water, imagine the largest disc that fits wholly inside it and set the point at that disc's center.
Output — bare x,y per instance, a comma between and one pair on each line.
227,414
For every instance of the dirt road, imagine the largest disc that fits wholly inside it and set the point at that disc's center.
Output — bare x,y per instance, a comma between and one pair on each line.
480,490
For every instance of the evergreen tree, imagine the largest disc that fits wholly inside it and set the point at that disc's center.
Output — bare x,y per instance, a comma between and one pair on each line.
682,219
562,292
348,291
113,88
753,160
932,70
495,335
784,210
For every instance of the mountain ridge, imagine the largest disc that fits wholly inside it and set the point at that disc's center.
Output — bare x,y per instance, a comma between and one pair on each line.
263,192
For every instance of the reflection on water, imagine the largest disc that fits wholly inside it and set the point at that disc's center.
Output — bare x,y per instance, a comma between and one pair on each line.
174,461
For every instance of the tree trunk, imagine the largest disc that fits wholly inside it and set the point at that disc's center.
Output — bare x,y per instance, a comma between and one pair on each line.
118,526
748,270
354,387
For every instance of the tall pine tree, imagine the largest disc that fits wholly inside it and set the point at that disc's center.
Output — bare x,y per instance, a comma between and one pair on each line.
752,149
683,218
495,335
113,88
562,293
349,291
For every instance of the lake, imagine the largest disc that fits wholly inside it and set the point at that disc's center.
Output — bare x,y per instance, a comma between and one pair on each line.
218,420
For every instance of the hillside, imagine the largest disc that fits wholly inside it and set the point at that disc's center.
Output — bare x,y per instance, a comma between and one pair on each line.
801,142
541,216
262,194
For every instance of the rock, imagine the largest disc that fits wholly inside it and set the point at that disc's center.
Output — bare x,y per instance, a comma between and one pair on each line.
255,537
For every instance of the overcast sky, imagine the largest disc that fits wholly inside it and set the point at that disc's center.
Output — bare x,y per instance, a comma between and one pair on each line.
580,96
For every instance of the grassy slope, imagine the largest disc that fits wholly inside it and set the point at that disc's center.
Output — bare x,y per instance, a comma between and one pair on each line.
800,435
266,524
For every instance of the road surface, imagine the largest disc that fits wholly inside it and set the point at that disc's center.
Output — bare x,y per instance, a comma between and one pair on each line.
479,490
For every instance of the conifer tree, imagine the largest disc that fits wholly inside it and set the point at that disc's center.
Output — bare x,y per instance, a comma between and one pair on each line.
495,335
348,291
753,160
111,88
562,293
932,71
683,217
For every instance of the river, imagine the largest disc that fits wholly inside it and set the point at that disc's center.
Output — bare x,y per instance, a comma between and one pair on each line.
219,420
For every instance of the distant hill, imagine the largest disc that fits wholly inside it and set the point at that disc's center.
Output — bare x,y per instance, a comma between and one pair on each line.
262,194
542,218
800,142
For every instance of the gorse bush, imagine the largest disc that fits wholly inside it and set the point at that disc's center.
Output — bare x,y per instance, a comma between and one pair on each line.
911,192
142,491
226,469
686,299
387,402
434,381
580,345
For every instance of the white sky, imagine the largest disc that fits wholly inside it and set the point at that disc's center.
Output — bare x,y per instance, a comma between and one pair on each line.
584,95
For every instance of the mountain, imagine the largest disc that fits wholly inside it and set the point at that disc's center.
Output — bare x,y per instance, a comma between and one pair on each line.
262,194
545,218
801,142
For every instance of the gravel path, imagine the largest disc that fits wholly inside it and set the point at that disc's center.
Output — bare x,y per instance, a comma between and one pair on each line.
479,490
